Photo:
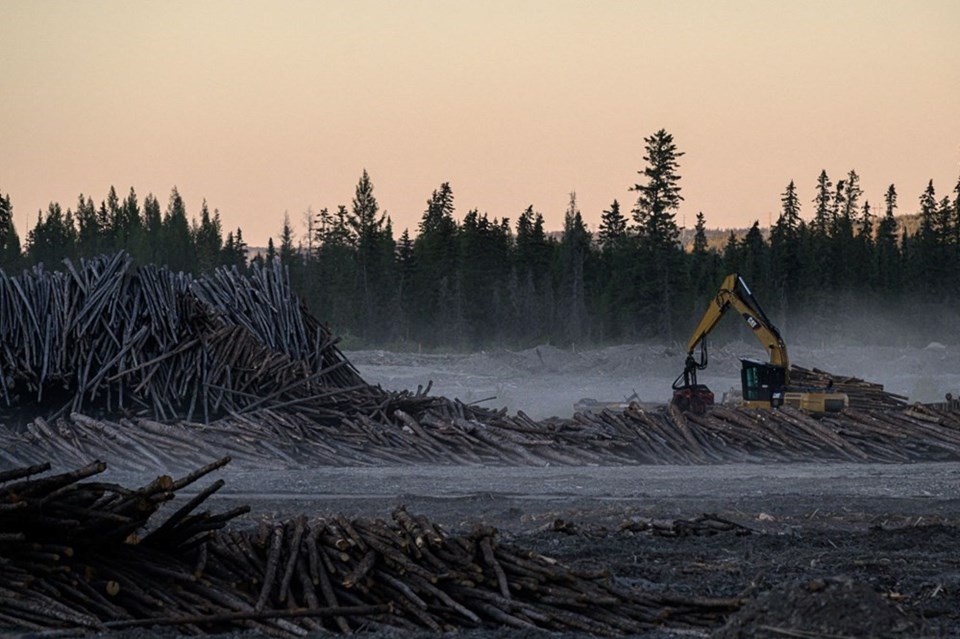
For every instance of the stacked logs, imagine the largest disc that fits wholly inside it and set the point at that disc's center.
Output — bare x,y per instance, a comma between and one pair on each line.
862,394
452,433
75,557
108,337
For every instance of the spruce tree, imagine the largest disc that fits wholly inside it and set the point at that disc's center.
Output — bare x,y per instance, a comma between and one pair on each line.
406,267
150,249
656,228
177,243
785,246
89,234
436,262
821,228
926,260
374,256
613,227
574,247
208,239
888,251
10,257
132,224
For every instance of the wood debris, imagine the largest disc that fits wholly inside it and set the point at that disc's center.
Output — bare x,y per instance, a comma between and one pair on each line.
81,555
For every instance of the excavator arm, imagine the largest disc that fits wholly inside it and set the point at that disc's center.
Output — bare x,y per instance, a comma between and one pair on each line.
734,293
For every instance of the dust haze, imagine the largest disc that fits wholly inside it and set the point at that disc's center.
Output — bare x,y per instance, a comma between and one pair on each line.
914,353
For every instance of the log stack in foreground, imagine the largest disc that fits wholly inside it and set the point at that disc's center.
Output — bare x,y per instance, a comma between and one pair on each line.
76,556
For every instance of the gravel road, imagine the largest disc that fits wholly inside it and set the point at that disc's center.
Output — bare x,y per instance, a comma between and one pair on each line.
518,498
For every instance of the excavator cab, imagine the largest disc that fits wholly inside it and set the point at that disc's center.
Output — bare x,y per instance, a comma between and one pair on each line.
762,383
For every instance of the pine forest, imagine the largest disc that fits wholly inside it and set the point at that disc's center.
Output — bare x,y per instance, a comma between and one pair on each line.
838,264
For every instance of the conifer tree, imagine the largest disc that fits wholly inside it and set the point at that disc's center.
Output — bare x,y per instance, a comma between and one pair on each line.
436,260
887,250
53,238
89,234
176,239
574,247
926,263
821,217
704,266
822,268
149,249
374,256
785,246
405,267
132,224
10,257
656,227
754,259
112,229
208,239
613,227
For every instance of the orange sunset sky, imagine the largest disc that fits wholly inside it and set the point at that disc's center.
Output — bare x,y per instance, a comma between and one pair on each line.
267,107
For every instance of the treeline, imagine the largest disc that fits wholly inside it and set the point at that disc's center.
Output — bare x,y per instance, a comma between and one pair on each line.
148,232
481,281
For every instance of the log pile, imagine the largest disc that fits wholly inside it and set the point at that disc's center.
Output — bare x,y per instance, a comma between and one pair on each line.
862,394
451,433
107,337
77,555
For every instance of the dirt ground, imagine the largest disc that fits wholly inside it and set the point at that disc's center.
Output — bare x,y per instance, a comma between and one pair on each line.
830,550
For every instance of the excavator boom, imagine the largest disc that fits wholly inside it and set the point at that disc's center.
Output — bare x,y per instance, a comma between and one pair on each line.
734,293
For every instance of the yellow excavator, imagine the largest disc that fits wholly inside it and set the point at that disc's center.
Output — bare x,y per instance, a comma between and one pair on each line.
765,385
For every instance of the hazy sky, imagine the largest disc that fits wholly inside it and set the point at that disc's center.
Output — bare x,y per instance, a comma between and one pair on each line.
266,107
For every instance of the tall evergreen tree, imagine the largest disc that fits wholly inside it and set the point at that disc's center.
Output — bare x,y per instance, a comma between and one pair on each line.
613,227
436,261
131,223
821,214
89,233
574,247
887,250
615,286
821,271
754,259
927,259
113,227
150,246
336,266
208,239
655,217
406,273
375,248
786,246
53,238
176,239
9,240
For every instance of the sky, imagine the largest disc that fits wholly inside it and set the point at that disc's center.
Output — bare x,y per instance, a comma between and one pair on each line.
274,107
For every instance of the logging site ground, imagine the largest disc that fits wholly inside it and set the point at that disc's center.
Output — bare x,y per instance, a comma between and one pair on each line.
196,453
817,549
546,381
